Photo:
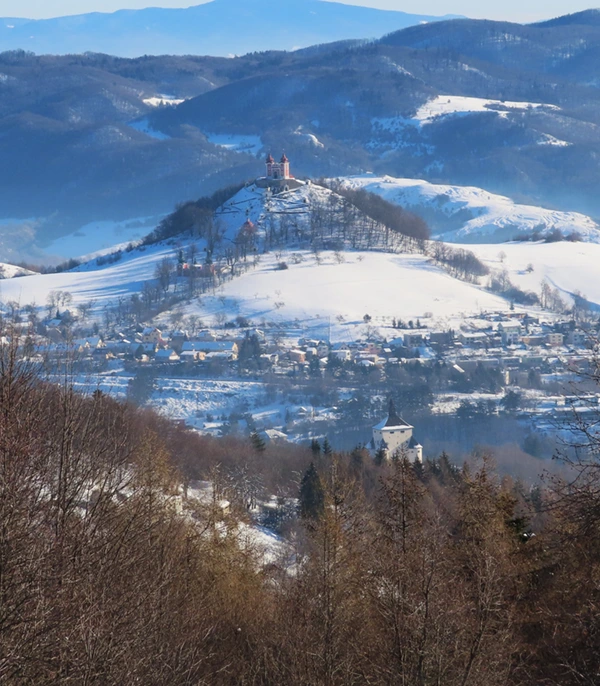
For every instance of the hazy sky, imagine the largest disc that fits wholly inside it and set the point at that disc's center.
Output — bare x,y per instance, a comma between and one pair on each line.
515,10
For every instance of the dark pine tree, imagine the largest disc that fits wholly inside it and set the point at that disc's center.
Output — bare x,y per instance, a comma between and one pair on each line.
327,449
312,494
315,447
257,442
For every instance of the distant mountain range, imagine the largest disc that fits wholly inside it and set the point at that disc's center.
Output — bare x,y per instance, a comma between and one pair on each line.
220,27
511,109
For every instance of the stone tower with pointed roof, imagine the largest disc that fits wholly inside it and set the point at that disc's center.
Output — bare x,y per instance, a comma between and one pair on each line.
393,435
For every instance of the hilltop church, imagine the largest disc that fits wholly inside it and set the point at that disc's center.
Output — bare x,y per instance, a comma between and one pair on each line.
278,177
393,435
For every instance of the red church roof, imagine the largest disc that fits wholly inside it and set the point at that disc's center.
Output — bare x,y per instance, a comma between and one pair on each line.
270,159
284,158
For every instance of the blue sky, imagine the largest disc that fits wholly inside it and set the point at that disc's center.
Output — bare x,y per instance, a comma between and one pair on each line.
515,10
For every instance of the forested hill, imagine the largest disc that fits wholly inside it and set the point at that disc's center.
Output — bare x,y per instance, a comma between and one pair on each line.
509,108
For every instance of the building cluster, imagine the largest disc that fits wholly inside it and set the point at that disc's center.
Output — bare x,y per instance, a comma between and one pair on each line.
513,344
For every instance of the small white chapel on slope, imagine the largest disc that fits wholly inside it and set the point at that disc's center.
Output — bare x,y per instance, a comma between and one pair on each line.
394,435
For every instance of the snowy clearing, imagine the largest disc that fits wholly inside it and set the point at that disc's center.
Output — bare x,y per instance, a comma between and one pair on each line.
162,100
444,105
250,144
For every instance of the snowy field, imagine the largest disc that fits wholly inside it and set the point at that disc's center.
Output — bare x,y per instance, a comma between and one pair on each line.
381,285
482,217
570,267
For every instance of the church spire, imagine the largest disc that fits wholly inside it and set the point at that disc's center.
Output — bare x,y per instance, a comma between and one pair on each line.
394,419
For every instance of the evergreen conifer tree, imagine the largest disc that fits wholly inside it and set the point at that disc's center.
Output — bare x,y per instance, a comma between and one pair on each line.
257,442
312,494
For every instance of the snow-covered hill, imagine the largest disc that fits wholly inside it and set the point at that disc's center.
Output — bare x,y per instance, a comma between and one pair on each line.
465,214
299,289
11,271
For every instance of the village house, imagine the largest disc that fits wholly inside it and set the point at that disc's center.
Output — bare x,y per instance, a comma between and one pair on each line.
555,340
229,348
166,356
192,356
152,335
343,355
510,332
413,340
473,340
297,356
577,337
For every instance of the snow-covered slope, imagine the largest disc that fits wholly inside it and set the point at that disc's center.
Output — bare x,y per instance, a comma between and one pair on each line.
466,214
299,290
10,271
257,204
338,295
305,295
570,267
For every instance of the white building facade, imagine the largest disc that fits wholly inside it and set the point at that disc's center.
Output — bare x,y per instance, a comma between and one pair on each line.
395,436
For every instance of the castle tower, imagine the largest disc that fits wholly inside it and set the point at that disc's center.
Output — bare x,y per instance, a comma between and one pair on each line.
393,434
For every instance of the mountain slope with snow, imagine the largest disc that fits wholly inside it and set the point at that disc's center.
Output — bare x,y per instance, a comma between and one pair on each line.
466,214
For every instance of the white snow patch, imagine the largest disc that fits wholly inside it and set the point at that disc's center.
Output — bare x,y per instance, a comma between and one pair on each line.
10,271
444,105
547,139
161,100
308,137
337,296
237,143
450,105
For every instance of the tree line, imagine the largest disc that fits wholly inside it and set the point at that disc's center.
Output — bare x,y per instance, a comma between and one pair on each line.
391,574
